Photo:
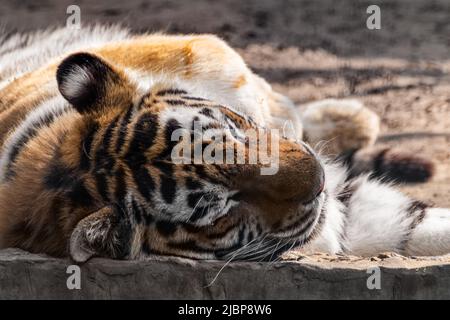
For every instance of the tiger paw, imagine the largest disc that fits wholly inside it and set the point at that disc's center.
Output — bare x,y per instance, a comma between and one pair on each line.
342,125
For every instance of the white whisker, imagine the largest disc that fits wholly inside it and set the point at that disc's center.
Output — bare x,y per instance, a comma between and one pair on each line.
226,263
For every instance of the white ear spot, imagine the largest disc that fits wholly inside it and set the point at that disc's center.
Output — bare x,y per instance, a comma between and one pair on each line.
82,79
75,82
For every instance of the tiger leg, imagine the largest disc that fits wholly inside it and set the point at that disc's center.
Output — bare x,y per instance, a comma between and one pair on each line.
431,236
341,125
379,218
333,126
347,130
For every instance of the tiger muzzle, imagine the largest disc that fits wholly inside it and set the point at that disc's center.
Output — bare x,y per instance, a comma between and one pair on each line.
300,177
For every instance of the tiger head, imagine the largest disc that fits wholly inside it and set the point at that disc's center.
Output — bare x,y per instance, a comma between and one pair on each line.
153,193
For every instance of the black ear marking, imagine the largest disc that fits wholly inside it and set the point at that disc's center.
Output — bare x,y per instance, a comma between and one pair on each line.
82,79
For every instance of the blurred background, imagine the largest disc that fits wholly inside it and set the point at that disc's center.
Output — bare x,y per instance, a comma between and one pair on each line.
309,50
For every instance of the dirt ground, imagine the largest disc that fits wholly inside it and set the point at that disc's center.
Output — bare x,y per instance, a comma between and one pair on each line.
311,50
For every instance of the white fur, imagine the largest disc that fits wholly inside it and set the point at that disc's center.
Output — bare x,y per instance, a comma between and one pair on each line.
329,238
377,220
22,53
75,82
432,236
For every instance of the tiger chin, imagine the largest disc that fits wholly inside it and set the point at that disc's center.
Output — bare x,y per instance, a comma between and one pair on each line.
87,167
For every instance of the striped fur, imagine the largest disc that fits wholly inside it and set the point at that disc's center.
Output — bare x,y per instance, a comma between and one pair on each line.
86,163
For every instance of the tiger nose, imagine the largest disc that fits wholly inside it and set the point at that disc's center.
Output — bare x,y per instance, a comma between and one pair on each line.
300,176
318,181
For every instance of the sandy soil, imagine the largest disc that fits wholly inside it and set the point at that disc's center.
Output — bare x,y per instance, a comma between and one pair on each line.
311,50
385,259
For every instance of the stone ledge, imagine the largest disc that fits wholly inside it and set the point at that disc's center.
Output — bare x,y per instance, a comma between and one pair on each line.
30,276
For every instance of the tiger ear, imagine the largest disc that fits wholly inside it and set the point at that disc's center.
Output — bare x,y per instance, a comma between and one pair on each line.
104,233
83,79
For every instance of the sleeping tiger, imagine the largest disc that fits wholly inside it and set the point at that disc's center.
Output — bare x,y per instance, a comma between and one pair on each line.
87,119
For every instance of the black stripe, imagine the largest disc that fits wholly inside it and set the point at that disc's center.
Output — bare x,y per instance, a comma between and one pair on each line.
170,92
148,251
221,252
168,185
198,213
194,198
201,211
28,135
151,251
103,159
194,120
148,219
347,192
86,146
303,220
123,129
121,233
201,172
165,167
190,228
346,158
221,234
207,113
250,236
58,176
302,231
79,195
215,125
194,98
102,186
166,228
416,210
170,127
145,96
62,178
175,102
144,135
199,105
378,163
168,188
104,162
192,184
121,186
144,182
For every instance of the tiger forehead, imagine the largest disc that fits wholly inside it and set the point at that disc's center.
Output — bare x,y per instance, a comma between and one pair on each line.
172,97
162,98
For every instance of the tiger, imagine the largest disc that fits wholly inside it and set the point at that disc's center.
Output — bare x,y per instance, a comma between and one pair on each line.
87,121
